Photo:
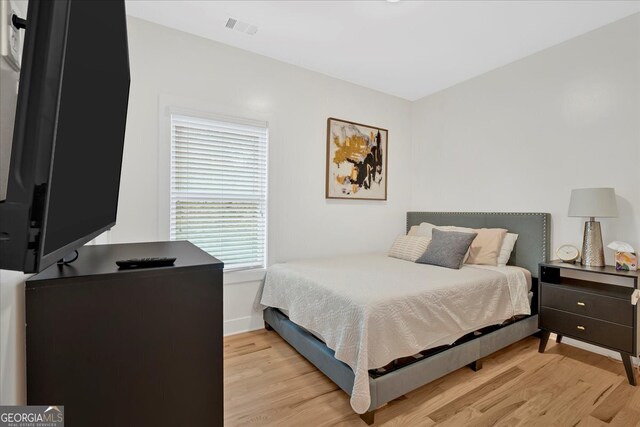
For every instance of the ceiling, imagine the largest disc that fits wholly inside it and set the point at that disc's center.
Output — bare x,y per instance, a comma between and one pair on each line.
409,49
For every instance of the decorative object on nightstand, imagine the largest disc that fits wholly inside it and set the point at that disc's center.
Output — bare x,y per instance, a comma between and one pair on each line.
592,203
597,305
568,253
626,261
625,257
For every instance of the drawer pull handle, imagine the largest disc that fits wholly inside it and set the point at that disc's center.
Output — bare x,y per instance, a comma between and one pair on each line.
582,328
581,304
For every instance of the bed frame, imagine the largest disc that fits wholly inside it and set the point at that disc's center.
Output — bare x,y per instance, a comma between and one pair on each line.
532,247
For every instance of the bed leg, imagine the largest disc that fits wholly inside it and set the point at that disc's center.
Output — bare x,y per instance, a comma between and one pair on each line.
368,417
267,326
476,366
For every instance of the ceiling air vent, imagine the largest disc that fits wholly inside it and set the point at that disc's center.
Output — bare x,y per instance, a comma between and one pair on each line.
243,27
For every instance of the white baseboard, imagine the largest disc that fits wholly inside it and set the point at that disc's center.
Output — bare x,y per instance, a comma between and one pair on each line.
243,324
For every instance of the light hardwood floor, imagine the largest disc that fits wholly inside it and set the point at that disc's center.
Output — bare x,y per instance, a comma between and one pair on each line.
268,383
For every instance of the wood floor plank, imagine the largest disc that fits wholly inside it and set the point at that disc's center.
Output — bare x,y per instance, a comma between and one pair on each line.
533,382
562,389
614,403
634,401
564,409
408,418
463,401
589,421
267,383
462,381
460,418
495,415
626,417
534,406
550,400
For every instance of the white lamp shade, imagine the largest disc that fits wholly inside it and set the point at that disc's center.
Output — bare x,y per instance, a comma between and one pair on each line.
593,202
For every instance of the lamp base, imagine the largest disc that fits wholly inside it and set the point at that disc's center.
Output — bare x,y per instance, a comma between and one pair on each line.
592,248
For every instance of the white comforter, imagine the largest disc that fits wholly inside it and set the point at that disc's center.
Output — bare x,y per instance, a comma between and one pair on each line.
371,309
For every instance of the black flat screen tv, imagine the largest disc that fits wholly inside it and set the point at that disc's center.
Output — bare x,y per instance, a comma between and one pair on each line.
68,136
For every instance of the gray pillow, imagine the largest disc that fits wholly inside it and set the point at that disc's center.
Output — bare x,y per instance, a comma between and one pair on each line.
447,248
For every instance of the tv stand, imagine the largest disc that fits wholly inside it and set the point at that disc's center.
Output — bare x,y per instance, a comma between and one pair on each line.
128,347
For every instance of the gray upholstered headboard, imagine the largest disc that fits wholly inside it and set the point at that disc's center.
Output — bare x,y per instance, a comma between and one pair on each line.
533,229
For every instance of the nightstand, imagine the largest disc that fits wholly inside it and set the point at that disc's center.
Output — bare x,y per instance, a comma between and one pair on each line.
590,304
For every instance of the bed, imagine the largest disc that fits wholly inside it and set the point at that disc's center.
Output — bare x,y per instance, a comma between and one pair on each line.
374,310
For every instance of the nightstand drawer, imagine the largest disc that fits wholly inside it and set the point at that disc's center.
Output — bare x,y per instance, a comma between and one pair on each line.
587,304
588,329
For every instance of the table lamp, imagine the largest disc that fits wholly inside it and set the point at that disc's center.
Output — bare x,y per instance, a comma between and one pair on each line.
592,203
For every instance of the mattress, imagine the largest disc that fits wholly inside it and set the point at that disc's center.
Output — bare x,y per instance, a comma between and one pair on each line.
372,309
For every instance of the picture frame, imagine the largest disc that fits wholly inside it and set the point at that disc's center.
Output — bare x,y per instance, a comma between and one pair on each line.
357,160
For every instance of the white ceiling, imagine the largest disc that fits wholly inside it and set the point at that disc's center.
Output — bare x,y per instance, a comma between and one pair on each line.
409,49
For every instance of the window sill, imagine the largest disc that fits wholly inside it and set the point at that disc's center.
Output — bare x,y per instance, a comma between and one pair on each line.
243,276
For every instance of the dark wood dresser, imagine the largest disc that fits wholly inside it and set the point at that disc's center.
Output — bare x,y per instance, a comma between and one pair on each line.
590,304
128,347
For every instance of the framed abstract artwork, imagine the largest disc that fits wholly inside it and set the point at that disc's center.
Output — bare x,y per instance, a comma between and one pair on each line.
356,161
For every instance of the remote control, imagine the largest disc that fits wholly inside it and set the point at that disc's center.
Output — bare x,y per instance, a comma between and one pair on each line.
145,262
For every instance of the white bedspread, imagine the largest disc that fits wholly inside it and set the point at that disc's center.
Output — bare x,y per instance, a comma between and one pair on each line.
371,309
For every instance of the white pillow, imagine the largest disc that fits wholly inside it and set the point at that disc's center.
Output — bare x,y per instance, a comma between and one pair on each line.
508,243
424,229
454,228
409,248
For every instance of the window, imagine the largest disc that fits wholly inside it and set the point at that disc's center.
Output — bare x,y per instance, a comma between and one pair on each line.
219,188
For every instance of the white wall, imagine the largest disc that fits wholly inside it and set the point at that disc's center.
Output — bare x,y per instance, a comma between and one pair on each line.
170,66
519,138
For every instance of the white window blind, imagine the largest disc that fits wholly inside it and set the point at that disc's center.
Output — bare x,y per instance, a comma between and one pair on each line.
219,188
